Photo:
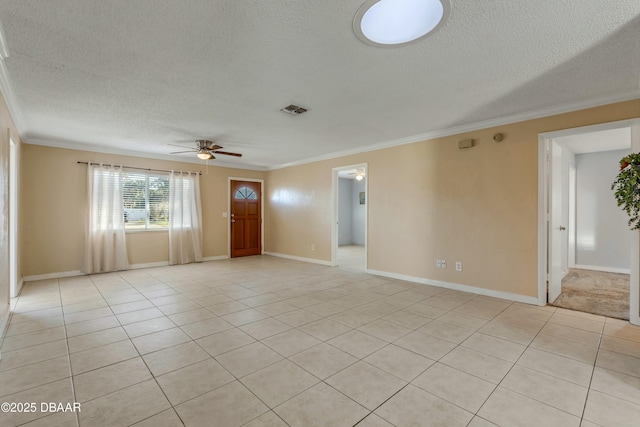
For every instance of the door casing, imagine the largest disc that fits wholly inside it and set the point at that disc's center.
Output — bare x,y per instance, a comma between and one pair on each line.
543,209
334,209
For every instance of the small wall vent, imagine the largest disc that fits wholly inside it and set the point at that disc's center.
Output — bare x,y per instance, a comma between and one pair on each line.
294,110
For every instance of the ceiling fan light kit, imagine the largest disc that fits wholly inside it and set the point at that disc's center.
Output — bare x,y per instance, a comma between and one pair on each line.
206,149
205,155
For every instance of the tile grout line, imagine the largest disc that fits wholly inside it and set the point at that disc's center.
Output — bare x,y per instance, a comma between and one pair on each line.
261,291
66,339
586,399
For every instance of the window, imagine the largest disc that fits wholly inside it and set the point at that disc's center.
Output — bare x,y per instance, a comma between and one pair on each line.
245,193
146,201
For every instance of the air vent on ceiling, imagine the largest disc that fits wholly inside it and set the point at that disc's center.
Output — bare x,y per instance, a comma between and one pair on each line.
294,110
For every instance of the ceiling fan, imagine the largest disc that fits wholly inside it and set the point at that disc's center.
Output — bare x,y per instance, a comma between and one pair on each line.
205,150
359,173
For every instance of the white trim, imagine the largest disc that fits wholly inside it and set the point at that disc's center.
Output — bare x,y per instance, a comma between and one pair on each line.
589,129
634,291
335,205
299,258
62,274
514,118
4,48
139,266
634,285
458,287
261,181
10,99
57,275
543,275
215,258
19,287
505,120
605,269
95,148
13,215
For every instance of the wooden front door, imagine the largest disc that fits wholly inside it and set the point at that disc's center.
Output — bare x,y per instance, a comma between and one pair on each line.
246,218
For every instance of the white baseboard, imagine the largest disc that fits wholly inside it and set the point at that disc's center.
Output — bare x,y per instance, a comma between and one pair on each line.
63,274
458,287
147,265
19,287
298,258
58,275
604,269
166,263
215,258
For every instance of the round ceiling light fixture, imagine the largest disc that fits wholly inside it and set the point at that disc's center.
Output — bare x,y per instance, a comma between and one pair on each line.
397,22
204,154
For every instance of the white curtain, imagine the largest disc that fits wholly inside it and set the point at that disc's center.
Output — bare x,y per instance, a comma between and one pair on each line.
185,218
105,245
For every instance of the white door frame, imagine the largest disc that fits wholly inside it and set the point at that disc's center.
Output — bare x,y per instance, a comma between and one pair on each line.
571,225
14,285
228,212
555,220
543,186
334,221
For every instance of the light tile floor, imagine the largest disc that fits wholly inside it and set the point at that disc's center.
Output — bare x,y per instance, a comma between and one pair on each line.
352,257
263,341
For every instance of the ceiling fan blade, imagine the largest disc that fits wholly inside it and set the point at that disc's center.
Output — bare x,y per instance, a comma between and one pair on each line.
214,147
226,153
188,151
181,146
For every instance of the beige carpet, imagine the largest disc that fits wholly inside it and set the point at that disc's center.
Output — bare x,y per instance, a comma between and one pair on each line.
596,292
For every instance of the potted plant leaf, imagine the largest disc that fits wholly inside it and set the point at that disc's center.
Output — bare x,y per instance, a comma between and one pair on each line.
627,188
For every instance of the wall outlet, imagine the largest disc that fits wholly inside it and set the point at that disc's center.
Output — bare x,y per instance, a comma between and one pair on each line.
439,263
313,247
444,263
458,265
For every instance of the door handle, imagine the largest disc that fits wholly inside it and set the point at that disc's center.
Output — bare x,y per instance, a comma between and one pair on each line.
233,220
562,228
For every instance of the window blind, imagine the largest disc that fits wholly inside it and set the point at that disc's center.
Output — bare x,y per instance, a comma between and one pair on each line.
146,201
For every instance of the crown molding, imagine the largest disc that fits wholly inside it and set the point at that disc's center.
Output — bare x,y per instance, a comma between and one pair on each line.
501,121
6,87
69,145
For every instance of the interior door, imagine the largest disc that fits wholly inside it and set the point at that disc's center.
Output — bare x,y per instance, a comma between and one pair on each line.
246,218
556,228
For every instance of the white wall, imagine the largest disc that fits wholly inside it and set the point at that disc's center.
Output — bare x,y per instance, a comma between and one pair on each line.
603,239
351,214
358,213
345,211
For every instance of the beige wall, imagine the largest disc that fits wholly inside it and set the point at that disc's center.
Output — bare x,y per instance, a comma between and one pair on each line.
431,200
55,201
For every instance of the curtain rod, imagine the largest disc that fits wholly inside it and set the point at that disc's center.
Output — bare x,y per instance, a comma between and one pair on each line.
131,167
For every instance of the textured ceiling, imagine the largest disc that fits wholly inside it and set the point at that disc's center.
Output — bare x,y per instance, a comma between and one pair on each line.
137,75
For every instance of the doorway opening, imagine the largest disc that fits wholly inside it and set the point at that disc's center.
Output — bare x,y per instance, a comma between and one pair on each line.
588,257
349,237
246,213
